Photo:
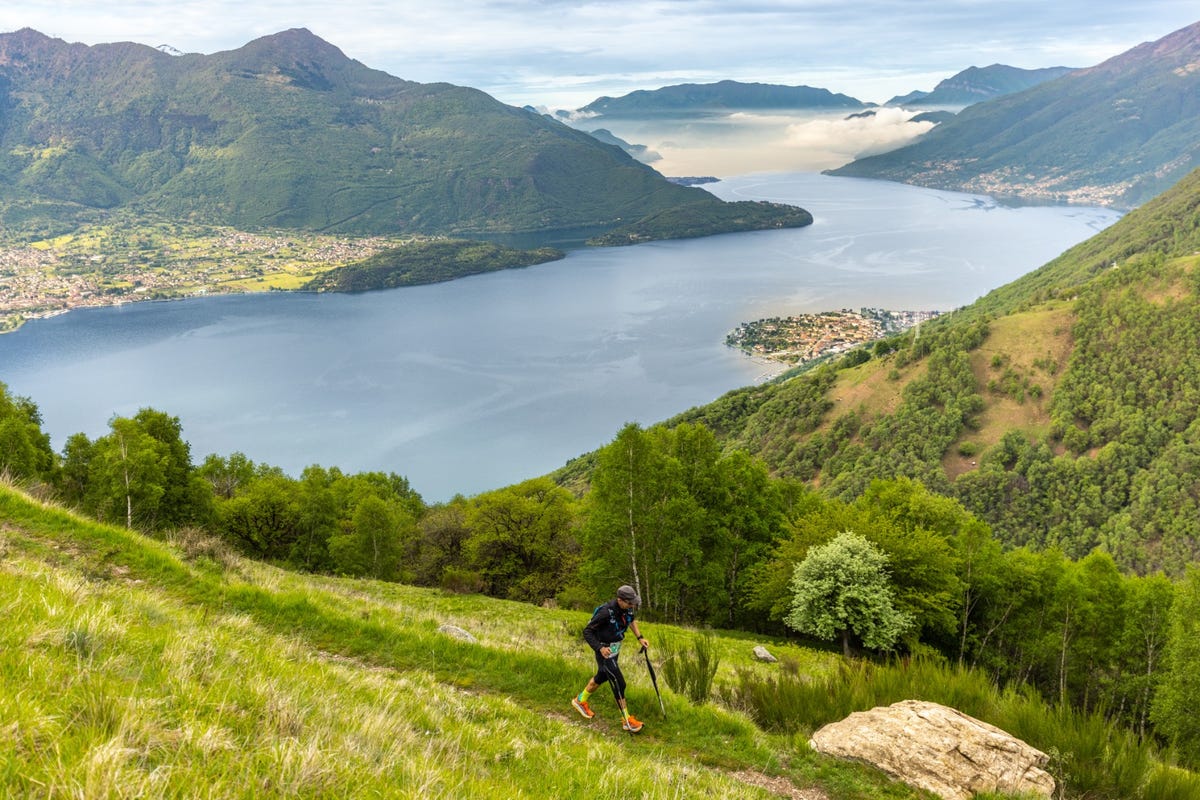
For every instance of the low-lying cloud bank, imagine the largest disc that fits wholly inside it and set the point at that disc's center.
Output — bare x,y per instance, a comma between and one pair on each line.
723,145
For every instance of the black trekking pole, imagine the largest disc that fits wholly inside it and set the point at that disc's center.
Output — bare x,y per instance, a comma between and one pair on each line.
654,680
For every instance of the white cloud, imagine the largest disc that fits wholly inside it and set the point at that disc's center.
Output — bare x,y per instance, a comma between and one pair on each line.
838,141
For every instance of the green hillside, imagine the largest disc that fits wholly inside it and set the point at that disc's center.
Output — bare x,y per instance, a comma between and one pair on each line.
976,84
1118,133
1060,408
1022,475
287,132
136,668
723,95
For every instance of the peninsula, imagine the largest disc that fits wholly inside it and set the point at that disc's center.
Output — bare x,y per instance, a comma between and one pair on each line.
112,264
806,337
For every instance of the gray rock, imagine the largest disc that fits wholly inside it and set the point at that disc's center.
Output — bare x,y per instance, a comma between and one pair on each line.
456,632
938,749
761,654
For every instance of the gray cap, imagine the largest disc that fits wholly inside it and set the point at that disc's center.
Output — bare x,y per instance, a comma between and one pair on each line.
629,595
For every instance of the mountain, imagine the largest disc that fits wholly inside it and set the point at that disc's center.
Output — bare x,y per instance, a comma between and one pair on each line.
1114,134
721,96
1063,408
976,84
639,151
287,132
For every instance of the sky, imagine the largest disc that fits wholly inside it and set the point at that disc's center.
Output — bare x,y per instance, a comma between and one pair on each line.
566,53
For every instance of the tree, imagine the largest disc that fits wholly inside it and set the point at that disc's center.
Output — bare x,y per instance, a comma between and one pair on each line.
373,545
127,475
1174,708
843,588
140,473
632,489
522,539
439,539
25,451
263,520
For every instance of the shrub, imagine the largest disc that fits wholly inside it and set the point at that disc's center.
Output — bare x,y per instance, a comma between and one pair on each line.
462,581
690,671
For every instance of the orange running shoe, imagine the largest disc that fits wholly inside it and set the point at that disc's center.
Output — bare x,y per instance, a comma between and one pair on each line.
582,707
631,724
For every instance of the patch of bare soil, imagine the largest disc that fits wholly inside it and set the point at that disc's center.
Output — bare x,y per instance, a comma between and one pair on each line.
780,786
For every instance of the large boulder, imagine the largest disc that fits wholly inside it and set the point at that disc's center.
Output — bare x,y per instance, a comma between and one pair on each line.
938,749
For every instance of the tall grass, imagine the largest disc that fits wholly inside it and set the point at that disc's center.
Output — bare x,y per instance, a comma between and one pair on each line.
1090,756
132,669
690,670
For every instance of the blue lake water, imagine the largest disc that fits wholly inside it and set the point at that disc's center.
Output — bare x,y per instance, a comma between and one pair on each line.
479,383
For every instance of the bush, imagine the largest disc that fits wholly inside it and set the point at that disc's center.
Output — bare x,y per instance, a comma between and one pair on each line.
576,598
690,671
462,581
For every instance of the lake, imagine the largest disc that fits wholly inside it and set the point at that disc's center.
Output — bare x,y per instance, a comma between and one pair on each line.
482,382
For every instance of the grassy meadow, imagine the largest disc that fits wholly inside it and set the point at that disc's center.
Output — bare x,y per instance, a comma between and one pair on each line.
131,667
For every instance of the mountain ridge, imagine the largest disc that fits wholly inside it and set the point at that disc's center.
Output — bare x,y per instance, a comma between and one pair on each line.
721,96
1114,134
976,84
288,132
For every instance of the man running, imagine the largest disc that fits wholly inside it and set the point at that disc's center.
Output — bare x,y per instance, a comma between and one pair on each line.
604,634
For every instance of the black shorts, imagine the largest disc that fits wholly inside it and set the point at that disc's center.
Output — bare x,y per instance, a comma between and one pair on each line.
609,671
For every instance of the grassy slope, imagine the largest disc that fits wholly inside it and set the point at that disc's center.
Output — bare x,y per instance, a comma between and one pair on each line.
133,668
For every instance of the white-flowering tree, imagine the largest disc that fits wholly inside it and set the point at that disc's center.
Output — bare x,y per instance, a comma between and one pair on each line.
843,588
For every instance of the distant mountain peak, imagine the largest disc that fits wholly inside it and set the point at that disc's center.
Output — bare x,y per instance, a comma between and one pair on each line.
1181,46
722,95
1114,134
975,84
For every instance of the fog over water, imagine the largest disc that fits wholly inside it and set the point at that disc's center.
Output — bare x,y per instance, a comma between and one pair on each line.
724,144
478,383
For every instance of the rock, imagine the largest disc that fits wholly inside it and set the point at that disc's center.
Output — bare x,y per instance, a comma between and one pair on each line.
456,632
761,654
937,749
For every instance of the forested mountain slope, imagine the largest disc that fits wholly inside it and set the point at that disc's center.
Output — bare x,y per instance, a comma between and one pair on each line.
976,84
287,132
1117,133
1062,409
720,96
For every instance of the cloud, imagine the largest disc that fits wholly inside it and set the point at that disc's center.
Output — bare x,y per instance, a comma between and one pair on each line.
746,142
842,140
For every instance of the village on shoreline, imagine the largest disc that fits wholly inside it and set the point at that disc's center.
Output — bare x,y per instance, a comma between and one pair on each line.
107,266
802,338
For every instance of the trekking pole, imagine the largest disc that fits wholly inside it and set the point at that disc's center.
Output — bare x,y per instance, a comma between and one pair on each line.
654,680
612,678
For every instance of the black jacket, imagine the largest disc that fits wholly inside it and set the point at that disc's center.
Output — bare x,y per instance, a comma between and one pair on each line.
607,625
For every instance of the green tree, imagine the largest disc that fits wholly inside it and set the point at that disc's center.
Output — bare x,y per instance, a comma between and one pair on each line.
1174,707
1146,617
522,539
227,475
373,543
263,519
438,544
841,589
25,450
635,490
127,475
186,497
